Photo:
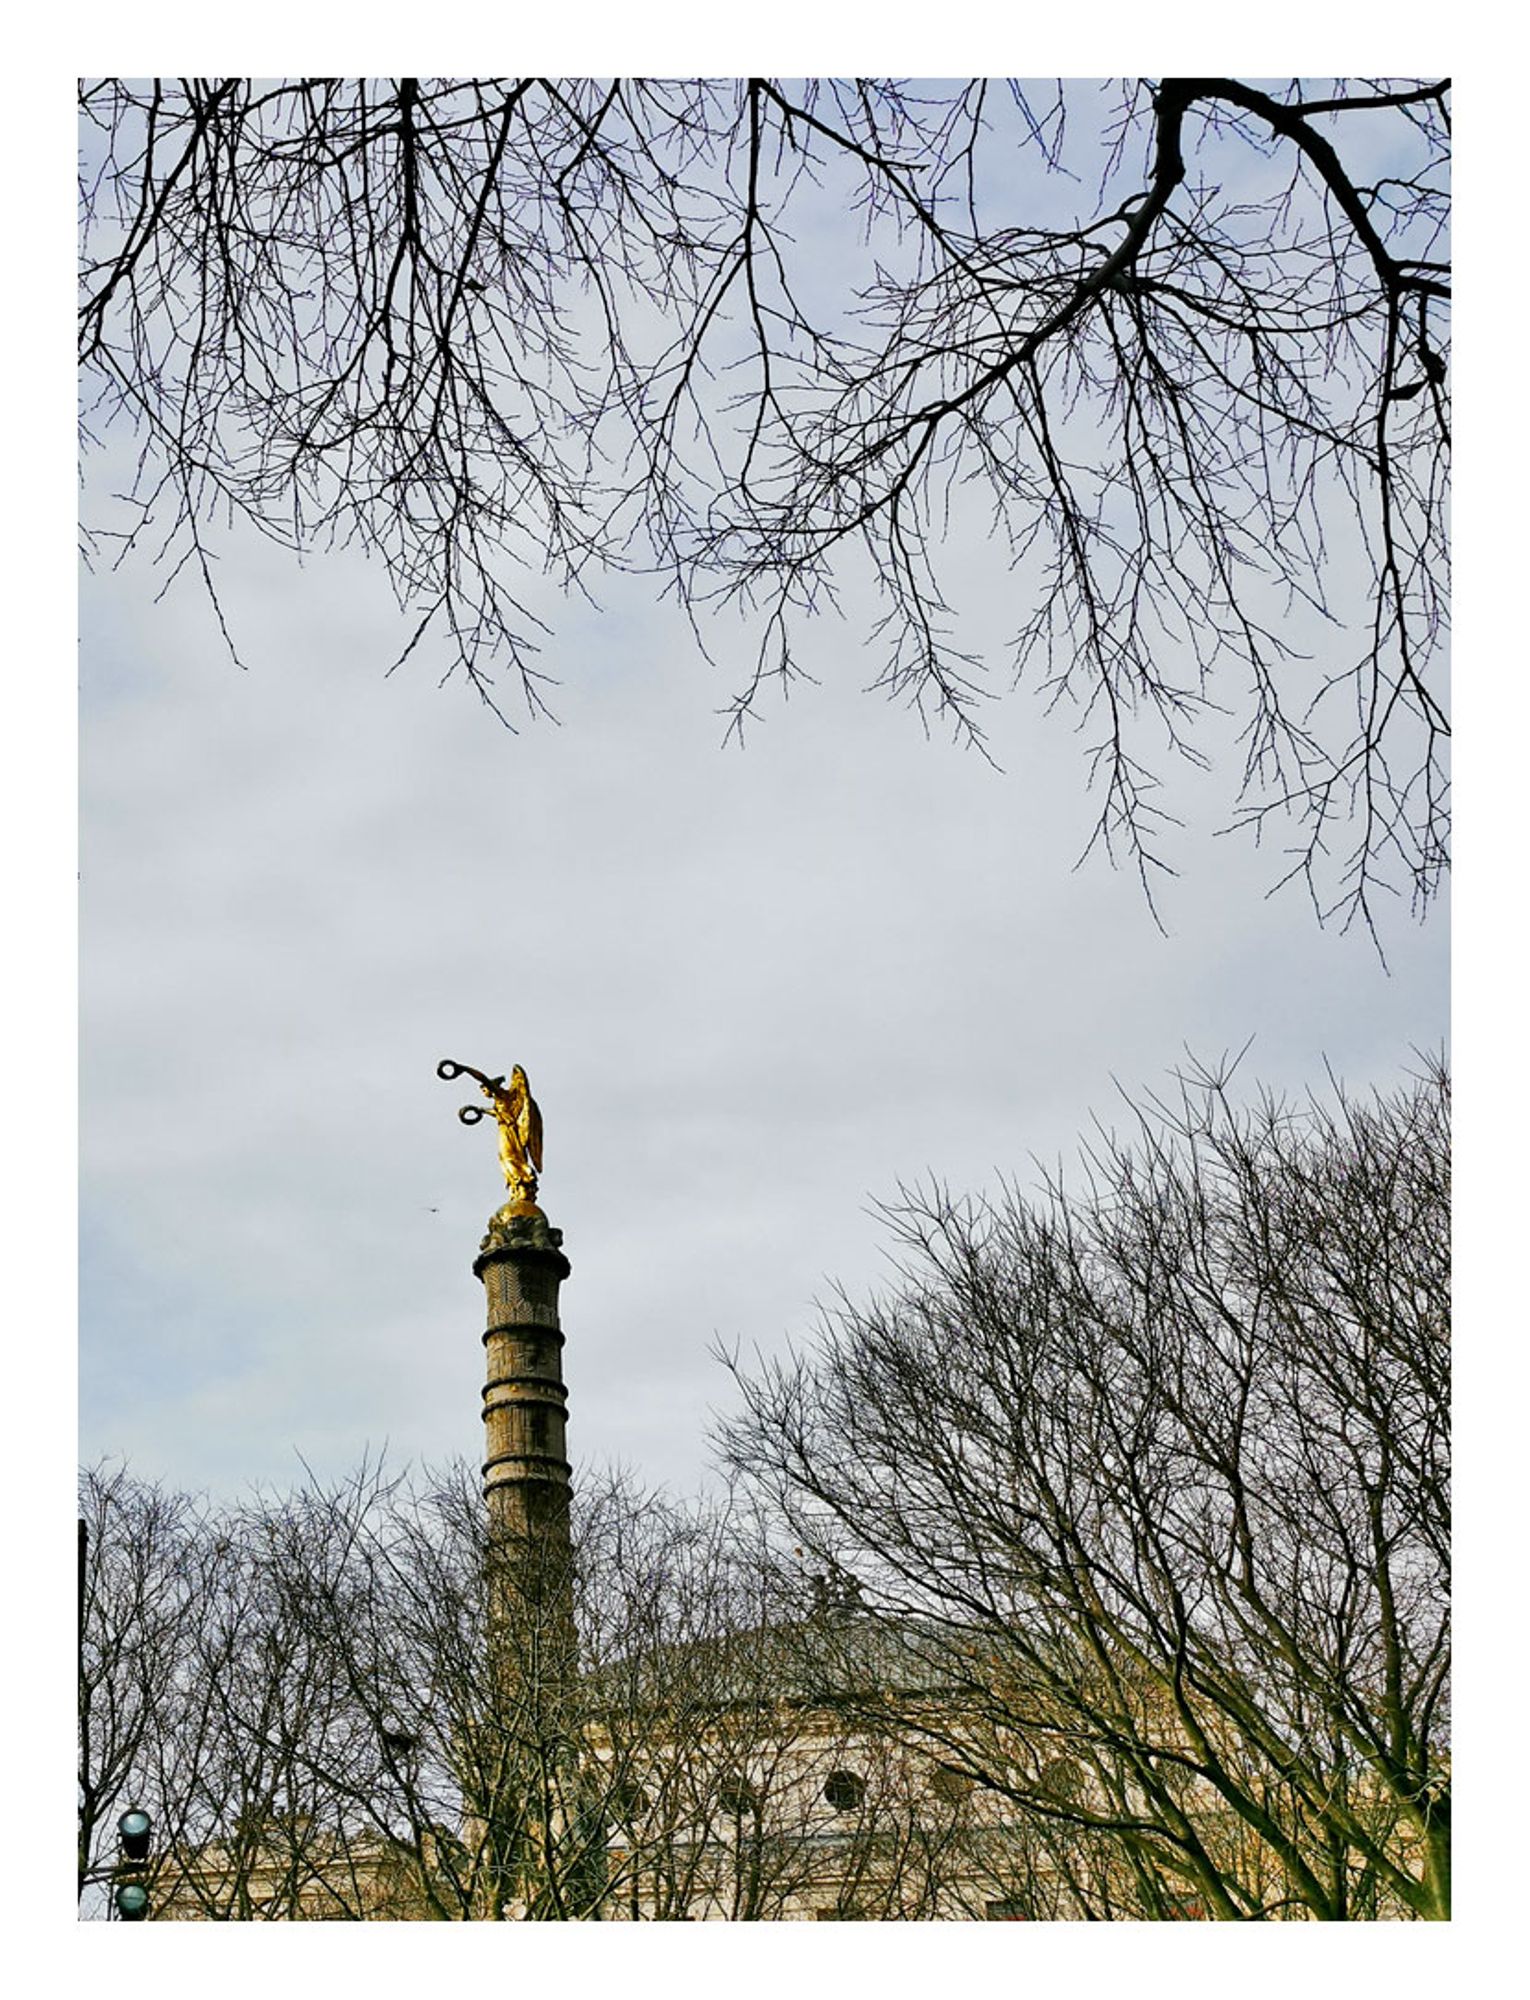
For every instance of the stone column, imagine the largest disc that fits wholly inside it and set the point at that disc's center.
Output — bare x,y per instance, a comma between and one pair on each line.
526,1468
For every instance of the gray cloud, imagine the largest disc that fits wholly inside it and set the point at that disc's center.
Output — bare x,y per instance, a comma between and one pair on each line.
753,991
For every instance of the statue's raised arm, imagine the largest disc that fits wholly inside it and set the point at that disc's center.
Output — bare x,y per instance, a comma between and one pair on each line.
520,1126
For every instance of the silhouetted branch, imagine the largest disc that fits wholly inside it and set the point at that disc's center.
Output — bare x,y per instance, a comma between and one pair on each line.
767,338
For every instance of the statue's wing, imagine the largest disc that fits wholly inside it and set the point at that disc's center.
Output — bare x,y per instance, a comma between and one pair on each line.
531,1131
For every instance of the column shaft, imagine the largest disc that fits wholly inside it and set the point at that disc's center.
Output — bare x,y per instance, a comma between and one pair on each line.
526,1468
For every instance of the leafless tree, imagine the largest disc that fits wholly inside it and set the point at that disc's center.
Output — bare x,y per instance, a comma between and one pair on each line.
1157,1469
357,1701
1129,1512
210,1696
1176,346
137,1620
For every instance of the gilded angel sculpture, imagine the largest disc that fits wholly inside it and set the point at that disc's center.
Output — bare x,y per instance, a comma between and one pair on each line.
520,1125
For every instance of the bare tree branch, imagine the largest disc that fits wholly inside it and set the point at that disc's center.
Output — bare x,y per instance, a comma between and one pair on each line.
775,341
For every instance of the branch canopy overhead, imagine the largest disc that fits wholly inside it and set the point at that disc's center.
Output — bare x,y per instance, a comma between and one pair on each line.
1169,356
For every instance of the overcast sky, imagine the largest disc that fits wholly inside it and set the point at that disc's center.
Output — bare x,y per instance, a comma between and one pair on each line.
753,990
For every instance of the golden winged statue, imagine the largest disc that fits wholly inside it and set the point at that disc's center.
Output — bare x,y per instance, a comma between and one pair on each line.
520,1127
520,1133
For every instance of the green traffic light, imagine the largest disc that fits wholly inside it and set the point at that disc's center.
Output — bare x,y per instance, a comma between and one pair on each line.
132,1902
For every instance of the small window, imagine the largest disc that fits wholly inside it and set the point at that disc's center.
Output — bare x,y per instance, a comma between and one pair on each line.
1007,1911
844,1790
736,1796
628,1800
948,1784
1061,1778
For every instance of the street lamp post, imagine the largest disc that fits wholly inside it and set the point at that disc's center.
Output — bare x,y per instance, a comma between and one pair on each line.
135,1830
